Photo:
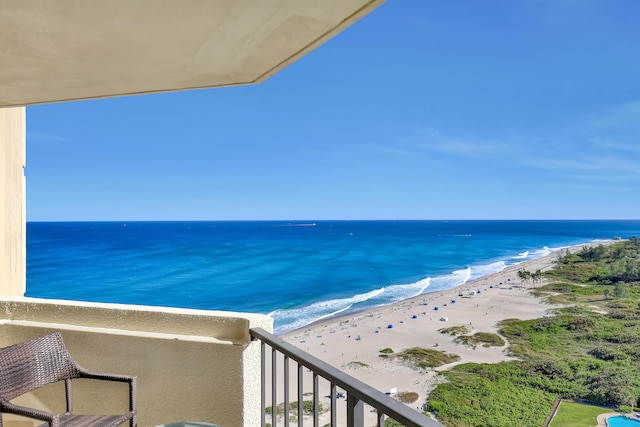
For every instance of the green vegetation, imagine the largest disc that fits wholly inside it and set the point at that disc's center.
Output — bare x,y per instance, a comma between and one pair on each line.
500,395
571,414
589,350
455,330
390,422
527,276
485,338
355,364
426,358
307,408
386,353
604,265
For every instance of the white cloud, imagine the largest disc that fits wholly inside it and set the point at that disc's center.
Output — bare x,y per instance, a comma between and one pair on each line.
624,117
46,138
430,140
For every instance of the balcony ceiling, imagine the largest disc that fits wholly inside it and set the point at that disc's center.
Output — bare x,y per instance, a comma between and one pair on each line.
60,50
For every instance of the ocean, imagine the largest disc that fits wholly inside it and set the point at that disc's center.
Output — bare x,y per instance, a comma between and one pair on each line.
298,272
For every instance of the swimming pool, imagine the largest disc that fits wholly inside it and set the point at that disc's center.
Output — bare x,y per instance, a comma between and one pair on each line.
622,422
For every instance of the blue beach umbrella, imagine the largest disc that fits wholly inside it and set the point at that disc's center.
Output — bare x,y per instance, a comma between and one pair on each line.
436,308
390,326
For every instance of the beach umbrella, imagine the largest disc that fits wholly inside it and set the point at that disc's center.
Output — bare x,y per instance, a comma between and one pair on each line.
390,326
453,301
491,287
414,316
435,308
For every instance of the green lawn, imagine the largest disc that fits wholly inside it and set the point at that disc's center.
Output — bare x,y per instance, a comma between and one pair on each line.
577,415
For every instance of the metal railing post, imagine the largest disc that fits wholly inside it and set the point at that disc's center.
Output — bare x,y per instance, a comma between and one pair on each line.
358,393
355,411
300,395
286,391
263,382
274,388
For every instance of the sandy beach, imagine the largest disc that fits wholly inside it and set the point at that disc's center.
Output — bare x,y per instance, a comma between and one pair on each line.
353,343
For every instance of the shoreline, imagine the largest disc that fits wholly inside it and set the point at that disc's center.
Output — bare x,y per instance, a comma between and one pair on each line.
352,342
516,266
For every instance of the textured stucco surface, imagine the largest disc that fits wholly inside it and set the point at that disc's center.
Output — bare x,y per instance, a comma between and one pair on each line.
66,49
210,374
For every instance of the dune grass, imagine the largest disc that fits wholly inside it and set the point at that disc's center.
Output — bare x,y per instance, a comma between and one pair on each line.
455,330
485,339
426,357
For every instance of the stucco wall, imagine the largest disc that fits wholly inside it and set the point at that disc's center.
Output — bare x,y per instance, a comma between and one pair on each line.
191,364
12,207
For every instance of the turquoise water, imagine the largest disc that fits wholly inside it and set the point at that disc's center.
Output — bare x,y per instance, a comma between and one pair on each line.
622,422
296,271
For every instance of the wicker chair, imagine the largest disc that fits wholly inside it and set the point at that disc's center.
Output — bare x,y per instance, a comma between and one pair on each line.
32,364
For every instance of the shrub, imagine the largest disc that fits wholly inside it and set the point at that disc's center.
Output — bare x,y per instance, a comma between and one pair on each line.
407,396
624,337
606,353
455,330
550,368
438,408
485,338
426,357
622,314
580,323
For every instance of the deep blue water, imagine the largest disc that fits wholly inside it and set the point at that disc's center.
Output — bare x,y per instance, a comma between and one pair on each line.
298,272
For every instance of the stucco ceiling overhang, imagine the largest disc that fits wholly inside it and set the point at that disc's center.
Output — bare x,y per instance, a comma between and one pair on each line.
61,50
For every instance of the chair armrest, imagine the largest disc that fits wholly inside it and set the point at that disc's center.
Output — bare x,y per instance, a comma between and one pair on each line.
131,379
12,408
108,377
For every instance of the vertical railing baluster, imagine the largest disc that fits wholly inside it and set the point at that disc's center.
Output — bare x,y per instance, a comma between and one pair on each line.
355,411
286,391
300,395
316,403
358,394
263,385
274,387
334,406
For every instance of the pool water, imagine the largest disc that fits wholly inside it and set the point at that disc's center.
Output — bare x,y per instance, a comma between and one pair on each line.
622,422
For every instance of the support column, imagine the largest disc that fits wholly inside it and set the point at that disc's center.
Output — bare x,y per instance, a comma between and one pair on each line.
13,244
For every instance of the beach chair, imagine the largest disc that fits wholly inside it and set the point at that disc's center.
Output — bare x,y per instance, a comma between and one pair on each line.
33,364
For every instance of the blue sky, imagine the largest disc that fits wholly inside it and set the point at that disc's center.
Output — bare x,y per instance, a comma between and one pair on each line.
422,110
